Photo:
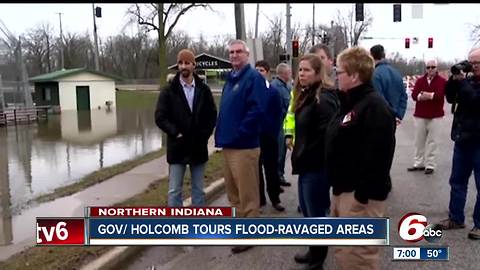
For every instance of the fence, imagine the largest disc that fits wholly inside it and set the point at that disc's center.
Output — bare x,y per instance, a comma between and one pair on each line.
23,115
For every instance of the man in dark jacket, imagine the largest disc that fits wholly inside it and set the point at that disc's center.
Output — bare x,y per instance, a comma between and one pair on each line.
360,143
270,131
186,112
465,94
389,83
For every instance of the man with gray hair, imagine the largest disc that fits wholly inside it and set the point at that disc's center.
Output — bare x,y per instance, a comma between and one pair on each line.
464,91
283,83
242,108
428,94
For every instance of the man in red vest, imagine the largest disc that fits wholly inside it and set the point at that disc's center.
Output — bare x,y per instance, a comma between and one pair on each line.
429,95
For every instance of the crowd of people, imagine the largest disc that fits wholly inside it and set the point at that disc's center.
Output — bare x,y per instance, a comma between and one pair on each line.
338,117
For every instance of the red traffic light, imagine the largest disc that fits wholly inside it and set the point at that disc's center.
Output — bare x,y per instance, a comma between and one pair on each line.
407,43
430,42
295,48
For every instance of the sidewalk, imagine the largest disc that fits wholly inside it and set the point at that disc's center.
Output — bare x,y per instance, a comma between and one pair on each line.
411,192
109,192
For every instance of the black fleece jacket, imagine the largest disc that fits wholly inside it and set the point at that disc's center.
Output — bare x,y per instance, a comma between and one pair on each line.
360,143
311,121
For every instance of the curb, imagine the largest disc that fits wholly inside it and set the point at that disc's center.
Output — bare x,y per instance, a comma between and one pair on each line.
119,254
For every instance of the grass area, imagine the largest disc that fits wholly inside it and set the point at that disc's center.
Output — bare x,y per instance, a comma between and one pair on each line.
37,258
99,176
136,99
142,99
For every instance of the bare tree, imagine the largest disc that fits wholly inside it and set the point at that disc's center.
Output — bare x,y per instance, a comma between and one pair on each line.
475,33
78,50
272,40
176,42
37,46
351,29
161,18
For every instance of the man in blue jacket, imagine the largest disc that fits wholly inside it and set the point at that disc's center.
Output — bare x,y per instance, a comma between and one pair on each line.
238,132
389,83
284,86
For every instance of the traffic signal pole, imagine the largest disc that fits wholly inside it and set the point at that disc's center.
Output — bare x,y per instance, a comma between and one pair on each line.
289,37
295,55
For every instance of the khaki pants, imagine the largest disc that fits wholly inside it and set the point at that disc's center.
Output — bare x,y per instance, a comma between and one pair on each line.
242,180
357,257
426,133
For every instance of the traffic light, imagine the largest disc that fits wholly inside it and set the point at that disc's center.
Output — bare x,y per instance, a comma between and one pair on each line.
325,39
397,12
284,57
98,12
295,48
407,43
430,42
359,12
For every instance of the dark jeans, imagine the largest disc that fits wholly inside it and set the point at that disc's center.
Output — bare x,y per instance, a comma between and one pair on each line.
269,161
282,153
466,157
314,197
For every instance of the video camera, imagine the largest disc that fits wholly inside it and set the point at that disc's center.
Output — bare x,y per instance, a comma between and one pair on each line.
464,66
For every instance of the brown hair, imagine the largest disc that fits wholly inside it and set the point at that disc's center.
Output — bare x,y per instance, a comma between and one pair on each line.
357,60
321,81
323,47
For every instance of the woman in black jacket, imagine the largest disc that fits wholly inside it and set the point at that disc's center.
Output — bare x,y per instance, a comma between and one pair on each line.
360,142
315,105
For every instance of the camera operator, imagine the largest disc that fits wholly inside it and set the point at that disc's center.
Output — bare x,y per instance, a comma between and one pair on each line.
464,92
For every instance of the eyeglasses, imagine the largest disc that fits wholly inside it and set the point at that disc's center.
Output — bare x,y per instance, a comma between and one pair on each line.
431,67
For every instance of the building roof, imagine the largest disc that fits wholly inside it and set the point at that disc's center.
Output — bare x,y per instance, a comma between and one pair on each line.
56,75
207,61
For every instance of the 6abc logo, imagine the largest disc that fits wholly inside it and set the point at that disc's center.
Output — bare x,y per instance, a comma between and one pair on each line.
413,228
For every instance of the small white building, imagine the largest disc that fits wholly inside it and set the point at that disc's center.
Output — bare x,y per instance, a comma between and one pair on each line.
75,89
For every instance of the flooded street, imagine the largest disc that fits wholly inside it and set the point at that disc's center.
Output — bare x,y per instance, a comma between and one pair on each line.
37,158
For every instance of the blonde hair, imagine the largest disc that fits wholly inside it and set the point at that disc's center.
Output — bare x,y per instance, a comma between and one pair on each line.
357,60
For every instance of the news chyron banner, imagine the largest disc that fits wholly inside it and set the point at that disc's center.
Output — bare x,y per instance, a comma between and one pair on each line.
204,226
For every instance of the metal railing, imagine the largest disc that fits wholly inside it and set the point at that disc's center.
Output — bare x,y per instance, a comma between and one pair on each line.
23,115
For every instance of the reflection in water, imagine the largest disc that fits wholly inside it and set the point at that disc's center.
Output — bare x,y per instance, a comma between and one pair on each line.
5,213
41,157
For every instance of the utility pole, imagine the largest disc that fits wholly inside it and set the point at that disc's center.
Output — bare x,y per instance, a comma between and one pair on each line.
240,21
313,26
97,66
333,41
2,99
256,20
62,60
289,36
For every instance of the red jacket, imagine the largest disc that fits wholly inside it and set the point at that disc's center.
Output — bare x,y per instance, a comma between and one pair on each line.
429,108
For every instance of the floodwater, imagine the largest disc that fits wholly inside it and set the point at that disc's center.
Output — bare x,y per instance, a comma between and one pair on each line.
36,159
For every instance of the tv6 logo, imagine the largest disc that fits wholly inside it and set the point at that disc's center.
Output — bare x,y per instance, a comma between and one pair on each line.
413,227
60,231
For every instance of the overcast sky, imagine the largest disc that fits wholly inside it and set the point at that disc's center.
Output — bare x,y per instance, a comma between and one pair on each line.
448,24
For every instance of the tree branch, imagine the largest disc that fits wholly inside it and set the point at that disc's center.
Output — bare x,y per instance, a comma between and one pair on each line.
167,13
180,14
